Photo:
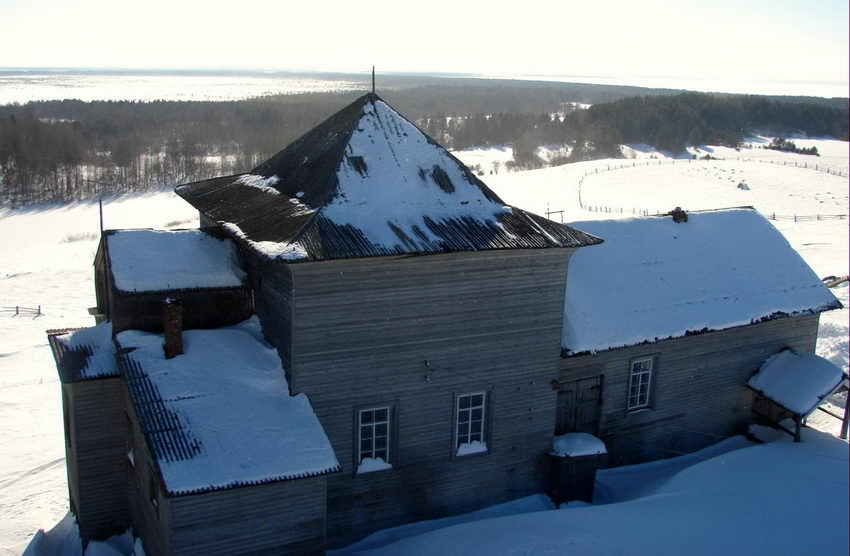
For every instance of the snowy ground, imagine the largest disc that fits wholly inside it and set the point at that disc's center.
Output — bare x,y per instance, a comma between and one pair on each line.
733,498
46,260
34,85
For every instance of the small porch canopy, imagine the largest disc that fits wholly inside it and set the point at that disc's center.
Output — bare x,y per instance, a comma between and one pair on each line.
797,382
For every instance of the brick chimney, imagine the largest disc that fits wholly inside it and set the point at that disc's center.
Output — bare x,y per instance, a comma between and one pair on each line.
172,311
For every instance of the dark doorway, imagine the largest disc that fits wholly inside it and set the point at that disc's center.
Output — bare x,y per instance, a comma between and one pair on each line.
578,406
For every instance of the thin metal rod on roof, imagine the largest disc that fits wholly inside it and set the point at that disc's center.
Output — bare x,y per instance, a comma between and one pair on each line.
100,210
373,80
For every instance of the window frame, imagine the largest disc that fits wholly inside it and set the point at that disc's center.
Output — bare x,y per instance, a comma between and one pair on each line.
392,435
651,373
486,420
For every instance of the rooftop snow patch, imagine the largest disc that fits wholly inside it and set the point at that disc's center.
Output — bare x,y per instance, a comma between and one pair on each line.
84,353
655,279
230,420
367,182
796,380
153,260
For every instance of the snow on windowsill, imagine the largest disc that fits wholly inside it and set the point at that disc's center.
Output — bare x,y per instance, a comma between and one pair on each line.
469,448
372,465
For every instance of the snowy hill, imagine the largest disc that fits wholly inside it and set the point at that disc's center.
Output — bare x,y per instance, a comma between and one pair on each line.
48,251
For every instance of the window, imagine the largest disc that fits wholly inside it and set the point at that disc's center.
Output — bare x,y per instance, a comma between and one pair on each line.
373,439
470,425
640,382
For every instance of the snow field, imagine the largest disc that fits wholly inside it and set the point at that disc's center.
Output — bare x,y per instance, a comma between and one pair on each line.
46,259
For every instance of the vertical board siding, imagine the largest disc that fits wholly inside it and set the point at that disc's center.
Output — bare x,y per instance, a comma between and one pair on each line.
699,394
97,470
426,329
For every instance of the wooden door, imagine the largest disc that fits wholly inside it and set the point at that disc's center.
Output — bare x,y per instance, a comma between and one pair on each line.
578,406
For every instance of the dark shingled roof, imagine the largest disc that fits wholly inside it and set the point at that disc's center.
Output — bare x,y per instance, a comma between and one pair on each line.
285,200
88,359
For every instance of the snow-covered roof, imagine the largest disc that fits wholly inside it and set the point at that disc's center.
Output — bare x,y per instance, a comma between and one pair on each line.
367,182
654,279
156,260
220,415
796,380
84,353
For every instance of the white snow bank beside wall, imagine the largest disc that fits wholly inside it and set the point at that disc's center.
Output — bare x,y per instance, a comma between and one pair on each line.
152,260
229,391
796,380
654,279
733,503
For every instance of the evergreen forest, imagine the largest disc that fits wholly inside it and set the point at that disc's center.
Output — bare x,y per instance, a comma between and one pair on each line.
68,150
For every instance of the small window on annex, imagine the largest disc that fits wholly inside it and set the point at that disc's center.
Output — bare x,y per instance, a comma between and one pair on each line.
374,427
640,382
471,424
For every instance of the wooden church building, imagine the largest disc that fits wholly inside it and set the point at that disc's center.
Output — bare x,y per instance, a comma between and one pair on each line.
362,335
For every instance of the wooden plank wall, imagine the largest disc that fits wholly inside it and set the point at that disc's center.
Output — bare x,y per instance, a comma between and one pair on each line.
272,286
286,517
151,523
201,308
96,450
699,394
489,321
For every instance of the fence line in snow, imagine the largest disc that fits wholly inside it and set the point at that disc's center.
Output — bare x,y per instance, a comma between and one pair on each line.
647,212
18,310
658,162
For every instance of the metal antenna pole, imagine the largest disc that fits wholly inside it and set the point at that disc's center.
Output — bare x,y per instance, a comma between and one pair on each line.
373,80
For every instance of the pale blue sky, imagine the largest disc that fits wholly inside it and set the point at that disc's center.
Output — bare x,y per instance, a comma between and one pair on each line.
776,40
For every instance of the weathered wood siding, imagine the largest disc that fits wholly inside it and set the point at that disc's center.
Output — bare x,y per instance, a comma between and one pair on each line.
415,332
96,456
150,522
209,308
272,287
698,391
286,517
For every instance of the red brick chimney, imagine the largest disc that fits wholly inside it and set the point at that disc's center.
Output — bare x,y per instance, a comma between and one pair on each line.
172,311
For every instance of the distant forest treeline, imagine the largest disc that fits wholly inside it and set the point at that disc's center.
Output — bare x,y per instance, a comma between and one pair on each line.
64,150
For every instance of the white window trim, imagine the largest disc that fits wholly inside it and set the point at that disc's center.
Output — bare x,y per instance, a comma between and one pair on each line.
649,383
471,448
374,463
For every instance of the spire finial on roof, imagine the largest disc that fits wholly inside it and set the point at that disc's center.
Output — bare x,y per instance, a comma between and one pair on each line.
373,80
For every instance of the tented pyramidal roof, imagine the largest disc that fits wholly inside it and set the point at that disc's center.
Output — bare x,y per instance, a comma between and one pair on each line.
367,182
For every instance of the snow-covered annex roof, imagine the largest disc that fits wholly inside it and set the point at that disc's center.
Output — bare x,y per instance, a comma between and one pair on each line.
655,279
83,353
158,260
367,182
220,415
796,380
